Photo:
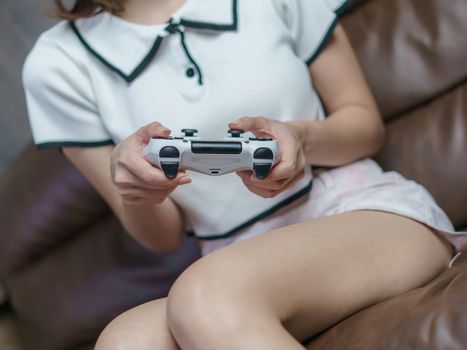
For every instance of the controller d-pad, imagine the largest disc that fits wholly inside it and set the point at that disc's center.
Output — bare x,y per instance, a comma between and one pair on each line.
170,169
169,152
261,170
263,153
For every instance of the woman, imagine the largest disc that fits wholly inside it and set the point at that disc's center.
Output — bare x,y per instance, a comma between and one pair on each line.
285,257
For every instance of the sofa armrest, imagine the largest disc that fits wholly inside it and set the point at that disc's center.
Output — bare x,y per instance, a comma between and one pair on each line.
43,201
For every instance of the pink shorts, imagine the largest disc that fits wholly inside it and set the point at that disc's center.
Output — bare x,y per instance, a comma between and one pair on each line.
361,185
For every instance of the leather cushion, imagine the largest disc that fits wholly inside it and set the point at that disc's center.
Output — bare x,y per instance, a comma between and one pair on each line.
429,145
43,201
72,292
428,318
410,50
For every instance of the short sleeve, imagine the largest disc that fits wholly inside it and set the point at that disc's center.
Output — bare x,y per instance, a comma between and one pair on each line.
310,23
60,101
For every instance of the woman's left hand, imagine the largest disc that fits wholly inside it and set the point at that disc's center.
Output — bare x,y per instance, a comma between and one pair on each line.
290,168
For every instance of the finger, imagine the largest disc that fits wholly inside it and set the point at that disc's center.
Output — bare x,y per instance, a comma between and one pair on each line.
294,181
288,163
136,171
262,192
138,192
280,185
242,173
253,181
131,181
273,186
154,129
257,125
130,175
150,175
144,192
142,201
270,182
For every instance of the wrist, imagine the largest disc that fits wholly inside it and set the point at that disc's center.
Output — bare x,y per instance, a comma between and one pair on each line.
308,133
159,227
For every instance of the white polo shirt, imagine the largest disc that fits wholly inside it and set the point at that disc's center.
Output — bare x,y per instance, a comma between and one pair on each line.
97,80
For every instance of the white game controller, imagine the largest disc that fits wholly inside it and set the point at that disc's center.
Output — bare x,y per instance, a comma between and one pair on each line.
212,157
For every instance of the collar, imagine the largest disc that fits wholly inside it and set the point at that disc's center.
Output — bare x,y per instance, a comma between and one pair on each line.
130,47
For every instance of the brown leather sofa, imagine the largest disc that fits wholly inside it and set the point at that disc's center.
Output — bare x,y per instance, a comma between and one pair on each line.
69,267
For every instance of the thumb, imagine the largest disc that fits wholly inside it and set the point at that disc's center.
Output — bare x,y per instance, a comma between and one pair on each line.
253,124
153,129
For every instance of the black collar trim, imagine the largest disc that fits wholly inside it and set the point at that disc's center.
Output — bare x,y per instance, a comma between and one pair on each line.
61,144
157,43
341,10
213,26
136,72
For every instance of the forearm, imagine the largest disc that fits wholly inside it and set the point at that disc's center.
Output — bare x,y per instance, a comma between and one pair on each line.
158,227
344,136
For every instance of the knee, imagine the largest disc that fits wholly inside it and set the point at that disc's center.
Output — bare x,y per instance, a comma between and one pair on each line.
115,336
207,304
132,331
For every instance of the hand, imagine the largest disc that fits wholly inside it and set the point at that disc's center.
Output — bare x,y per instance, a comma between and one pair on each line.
290,168
136,180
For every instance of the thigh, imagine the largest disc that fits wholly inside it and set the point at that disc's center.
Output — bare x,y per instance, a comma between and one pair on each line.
313,274
141,328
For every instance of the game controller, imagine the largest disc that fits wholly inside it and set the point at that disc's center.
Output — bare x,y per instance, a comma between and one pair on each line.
212,157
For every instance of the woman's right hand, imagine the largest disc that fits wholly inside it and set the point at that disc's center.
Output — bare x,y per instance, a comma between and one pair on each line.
137,181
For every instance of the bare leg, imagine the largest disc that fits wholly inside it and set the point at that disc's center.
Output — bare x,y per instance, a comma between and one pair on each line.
277,289
142,328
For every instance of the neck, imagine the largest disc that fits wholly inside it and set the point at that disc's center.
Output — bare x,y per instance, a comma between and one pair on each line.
150,12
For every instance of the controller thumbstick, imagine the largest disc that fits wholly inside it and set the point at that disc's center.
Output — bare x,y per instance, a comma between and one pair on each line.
189,132
236,132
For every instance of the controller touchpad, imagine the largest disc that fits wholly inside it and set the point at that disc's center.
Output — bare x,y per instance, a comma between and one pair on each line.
216,147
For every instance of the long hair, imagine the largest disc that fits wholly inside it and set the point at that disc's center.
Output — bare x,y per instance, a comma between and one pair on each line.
87,8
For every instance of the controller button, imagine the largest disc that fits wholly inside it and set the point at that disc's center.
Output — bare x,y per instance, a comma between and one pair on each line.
170,169
190,72
253,139
263,153
235,132
169,152
189,132
261,170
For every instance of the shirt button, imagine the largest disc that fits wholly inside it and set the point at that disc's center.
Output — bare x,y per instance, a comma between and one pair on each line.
190,72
